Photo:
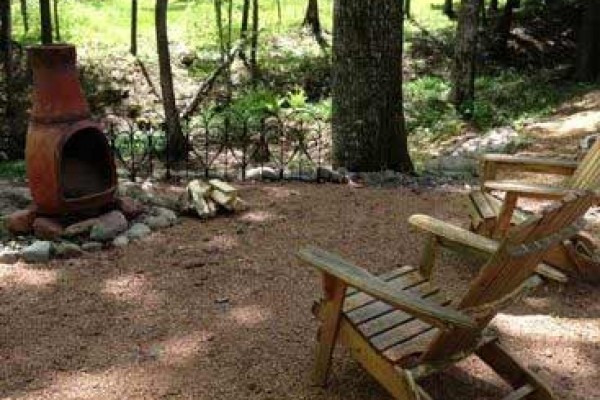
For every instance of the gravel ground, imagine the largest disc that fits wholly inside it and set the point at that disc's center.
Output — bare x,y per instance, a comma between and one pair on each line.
221,309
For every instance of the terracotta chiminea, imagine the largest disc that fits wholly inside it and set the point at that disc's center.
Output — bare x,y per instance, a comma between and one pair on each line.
70,165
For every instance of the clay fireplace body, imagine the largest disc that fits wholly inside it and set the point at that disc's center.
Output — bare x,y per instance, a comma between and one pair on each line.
69,161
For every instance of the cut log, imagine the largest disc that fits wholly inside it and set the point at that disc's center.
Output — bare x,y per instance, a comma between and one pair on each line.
222,186
222,199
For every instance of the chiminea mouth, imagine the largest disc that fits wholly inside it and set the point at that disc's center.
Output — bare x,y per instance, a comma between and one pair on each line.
85,165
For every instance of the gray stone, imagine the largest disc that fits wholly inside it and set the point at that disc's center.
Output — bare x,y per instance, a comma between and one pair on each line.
80,228
13,199
67,250
168,214
109,226
9,256
138,231
91,246
38,252
120,241
157,222
262,173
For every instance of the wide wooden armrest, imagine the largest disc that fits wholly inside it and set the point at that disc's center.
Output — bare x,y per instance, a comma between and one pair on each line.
530,164
453,234
455,237
528,190
361,279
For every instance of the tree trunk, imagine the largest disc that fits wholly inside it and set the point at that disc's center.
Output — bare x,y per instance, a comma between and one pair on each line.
463,72
134,27
449,8
56,22
175,138
219,21
45,22
311,18
503,29
493,5
25,15
6,50
254,41
368,119
588,49
244,28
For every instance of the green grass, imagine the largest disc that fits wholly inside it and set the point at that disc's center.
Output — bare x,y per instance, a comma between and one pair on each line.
12,169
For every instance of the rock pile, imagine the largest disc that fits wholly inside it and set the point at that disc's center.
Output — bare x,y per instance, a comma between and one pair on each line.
34,238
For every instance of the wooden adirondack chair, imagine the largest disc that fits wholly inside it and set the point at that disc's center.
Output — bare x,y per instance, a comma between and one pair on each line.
401,328
492,217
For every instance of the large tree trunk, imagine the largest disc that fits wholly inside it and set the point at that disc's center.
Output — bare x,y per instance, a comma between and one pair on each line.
449,8
134,26
588,54
45,22
368,120
311,17
463,72
503,28
176,140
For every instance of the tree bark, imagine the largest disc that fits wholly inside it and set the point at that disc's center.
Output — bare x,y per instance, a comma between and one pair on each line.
503,28
6,50
25,15
449,8
493,5
463,72
56,22
311,17
45,22
134,26
368,119
254,41
588,49
176,141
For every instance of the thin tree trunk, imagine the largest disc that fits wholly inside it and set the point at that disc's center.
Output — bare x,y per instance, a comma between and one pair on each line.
175,138
503,28
254,41
244,26
6,49
588,49
407,8
311,17
219,22
463,72
493,5
134,27
368,119
56,22
25,15
45,22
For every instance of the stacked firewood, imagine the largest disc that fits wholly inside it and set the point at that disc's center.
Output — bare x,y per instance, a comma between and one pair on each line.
204,199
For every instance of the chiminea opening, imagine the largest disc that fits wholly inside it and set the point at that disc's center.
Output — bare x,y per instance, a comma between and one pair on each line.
86,167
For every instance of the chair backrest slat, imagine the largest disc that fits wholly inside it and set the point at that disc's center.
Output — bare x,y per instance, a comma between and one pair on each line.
587,175
507,271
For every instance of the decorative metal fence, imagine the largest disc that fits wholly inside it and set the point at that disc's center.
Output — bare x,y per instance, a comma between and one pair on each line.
283,145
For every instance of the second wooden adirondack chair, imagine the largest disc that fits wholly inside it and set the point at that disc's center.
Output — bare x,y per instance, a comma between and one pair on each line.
492,217
401,328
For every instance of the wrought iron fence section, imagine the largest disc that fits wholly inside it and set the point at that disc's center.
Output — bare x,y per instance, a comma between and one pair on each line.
282,145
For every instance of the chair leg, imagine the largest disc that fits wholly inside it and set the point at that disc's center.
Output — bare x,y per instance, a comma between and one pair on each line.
513,372
330,315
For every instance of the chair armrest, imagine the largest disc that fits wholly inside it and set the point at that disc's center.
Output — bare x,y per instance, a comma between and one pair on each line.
361,279
493,162
452,236
528,190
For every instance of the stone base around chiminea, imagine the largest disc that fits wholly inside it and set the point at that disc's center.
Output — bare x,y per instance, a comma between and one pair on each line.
139,209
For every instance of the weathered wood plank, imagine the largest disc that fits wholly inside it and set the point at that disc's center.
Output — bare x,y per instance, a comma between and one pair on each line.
399,334
480,201
360,278
416,345
335,291
520,393
506,162
377,308
387,276
528,190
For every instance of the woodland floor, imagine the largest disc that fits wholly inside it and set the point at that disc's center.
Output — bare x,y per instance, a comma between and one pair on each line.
221,309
